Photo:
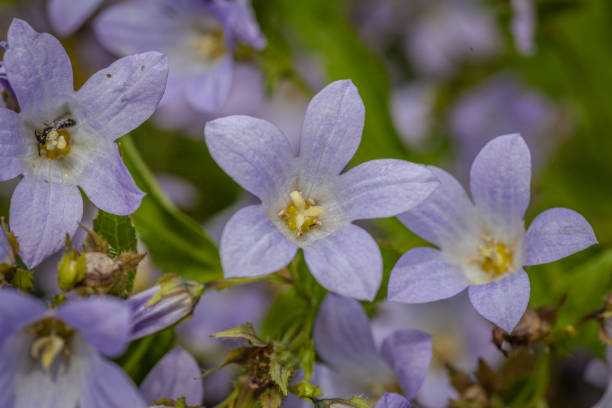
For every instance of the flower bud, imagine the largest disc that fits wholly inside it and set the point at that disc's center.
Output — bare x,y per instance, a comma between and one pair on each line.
71,270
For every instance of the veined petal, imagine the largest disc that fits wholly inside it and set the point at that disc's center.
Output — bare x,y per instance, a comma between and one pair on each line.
555,234
392,400
409,353
208,91
17,310
255,153
423,275
41,215
67,16
175,376
343,338
252,246
108,183
384,188
119,98
38,69
13,146
332,130
503,302
348,263
103,321
500,181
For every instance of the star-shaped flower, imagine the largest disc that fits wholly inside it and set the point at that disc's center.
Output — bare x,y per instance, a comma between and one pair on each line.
483,244
63,139
305,201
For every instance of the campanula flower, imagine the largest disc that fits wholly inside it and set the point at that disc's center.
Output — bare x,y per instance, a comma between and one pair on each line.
344,340
67,16
483,243
599,374
54,358
62,140
198,36
5,248
523,26
392,400
305,201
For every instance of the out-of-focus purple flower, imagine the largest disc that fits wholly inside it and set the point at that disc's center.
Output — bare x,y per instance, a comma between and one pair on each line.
67,16
601,375
484,245
54,358
392,400
9,100
181,192
5,248
523,26
499,106
412,111
175,376
344,340
459,337
197,36
62,139
305,202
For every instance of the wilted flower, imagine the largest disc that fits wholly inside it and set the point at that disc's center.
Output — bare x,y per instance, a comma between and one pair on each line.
484,245
305,202
523,26
198,36
62,139
53,358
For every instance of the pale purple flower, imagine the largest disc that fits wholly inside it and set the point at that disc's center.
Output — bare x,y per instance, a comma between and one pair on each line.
8,100
412,109
54,358
5,248
601,374
392,400
197,36
62,139
305,202
175,376
344,340
523,26
483,244
67,16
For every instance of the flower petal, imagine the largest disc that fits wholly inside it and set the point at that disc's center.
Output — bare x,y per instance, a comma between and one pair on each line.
13,146
343,338
332,130
255,153
252,246
175,376
239,21
208,91
503,302
41,215
67,16
445,216
38,69
409,353
392,400
555,234
119,98
108,183
423,275
17,310
500,180
347,262
384,188
103,321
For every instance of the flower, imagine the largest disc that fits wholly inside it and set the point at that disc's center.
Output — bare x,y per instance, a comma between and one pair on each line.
599,373
5,249
523,26
392,400
344,340
484,245
67,16
305,203
53,358
198,37
62,139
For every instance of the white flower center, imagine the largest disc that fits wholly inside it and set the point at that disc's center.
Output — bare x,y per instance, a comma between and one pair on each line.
301,215
54,138
494,257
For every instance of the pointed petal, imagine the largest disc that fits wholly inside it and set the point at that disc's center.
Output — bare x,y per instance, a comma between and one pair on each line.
254,152
445,216
208,92
500,181
13,146
17,310
67,16
119,98
38,69
423,275
348,263
41,215
332,130
108,183
503,302
12,351
555,234
384,188
175,376
103,321
252,246
392,400
343,338
239,21
409,353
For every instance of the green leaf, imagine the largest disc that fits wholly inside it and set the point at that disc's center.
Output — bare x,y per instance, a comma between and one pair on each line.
280,374
244,331
271,398
177,244
118,231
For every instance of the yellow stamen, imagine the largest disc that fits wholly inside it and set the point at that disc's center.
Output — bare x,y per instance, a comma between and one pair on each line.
495,258
47,348
57,144
301,215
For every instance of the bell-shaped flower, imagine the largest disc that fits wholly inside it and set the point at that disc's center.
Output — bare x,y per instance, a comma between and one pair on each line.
483,244
305,201
63,139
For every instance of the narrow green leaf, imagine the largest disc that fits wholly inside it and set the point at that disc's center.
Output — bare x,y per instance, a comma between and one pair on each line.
244,331
280,375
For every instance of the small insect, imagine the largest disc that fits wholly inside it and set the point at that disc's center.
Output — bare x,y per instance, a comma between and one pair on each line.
63,122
